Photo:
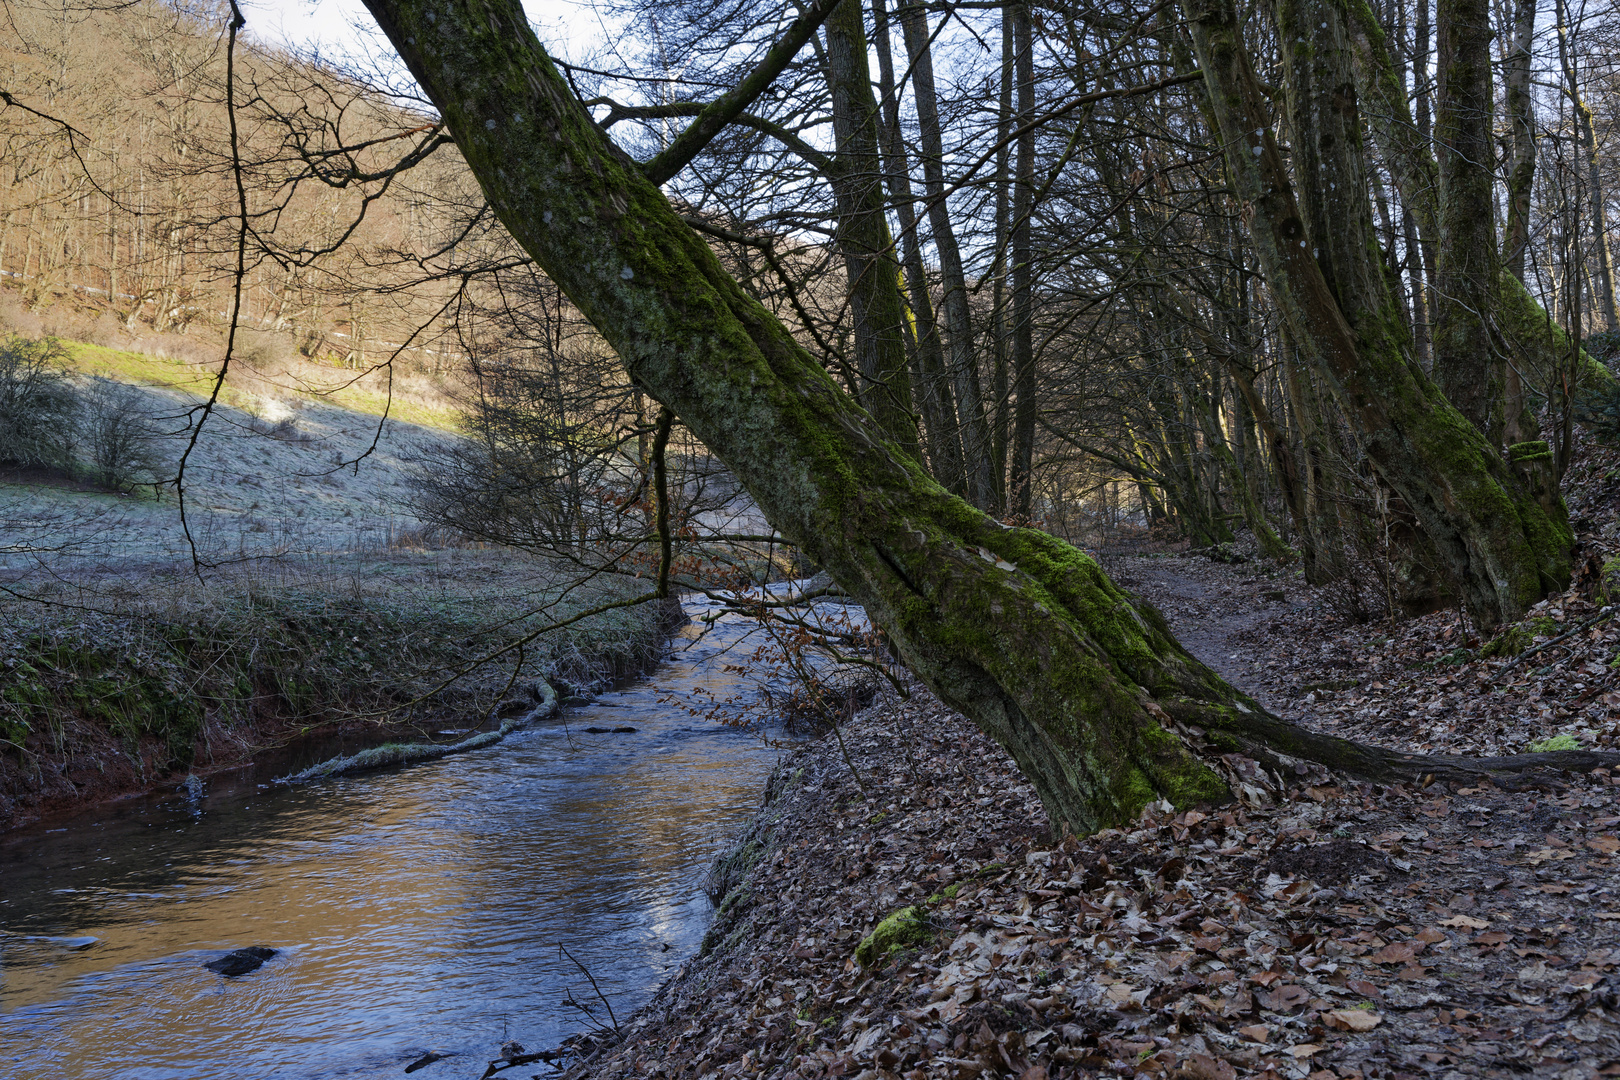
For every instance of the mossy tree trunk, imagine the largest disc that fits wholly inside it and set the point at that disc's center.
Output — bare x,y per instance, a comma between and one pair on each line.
1469,366
1537,343
1500,548
1099,705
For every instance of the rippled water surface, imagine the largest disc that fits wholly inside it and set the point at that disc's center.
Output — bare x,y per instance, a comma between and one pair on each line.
415,910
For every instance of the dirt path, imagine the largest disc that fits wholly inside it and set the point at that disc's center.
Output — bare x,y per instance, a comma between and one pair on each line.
1209,606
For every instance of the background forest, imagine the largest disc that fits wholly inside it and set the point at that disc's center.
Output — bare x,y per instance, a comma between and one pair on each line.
1021,236
1083,335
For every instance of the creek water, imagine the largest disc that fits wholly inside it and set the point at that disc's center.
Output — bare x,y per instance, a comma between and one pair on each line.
415,910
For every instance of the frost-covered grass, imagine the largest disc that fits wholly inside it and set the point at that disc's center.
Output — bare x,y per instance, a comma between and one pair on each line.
268,475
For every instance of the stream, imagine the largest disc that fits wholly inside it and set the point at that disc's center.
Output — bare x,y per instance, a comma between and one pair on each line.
414,910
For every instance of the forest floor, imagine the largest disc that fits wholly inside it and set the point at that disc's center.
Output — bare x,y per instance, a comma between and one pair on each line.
1346,931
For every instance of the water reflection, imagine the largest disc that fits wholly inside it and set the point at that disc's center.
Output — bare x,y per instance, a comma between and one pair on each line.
413,910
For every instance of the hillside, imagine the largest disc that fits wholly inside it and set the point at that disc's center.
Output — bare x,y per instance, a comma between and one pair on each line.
274,472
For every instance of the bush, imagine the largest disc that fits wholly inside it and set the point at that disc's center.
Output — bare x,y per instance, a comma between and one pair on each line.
38,405
120,440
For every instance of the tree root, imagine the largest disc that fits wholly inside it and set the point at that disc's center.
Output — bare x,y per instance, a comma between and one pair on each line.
1291,752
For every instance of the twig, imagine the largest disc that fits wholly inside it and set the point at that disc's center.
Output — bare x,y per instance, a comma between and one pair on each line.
597,989
1528,653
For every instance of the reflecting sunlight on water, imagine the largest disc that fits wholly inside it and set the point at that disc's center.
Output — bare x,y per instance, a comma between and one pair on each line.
414,910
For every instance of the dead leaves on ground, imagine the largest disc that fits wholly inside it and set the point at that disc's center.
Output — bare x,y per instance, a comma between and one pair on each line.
1370,932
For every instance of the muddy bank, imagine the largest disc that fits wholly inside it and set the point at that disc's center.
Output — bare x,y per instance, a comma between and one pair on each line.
96,705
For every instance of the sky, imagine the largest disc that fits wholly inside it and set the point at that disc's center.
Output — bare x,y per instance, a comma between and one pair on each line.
566,27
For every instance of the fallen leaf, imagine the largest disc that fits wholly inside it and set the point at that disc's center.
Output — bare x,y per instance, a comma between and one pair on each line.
1536,858
1365,989
1286,997
1256,1032
1204,1067
1398,953
1352,1019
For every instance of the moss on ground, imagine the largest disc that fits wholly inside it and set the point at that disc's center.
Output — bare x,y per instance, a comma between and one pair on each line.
1518,637
908,926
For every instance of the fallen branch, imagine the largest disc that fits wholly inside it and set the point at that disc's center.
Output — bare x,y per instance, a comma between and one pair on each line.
1528,653
379,757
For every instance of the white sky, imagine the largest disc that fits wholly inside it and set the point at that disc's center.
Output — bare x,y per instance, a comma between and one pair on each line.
566,27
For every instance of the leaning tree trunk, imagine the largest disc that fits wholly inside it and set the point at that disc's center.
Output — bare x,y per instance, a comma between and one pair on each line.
1099,705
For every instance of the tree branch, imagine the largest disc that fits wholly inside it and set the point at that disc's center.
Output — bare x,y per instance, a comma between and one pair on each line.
728,106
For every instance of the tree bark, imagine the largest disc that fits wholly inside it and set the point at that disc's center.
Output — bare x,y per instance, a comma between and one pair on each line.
1502,550
941,436
1001,324
1469,366
877,308
975,426
1100,707
1524,323
1023,254
1603,280
1521,117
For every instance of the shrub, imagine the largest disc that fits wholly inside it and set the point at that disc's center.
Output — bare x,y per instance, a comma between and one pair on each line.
37,403
120,440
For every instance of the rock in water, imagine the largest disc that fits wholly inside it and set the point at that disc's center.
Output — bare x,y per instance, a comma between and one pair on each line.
425,1060
241,961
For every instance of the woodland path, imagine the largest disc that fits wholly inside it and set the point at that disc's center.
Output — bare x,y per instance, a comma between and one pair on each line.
1208,606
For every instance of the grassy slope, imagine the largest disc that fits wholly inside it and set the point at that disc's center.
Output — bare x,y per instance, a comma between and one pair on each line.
369,395
323,612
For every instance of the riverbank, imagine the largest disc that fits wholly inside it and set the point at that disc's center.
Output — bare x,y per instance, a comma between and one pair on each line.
922,922
146,677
